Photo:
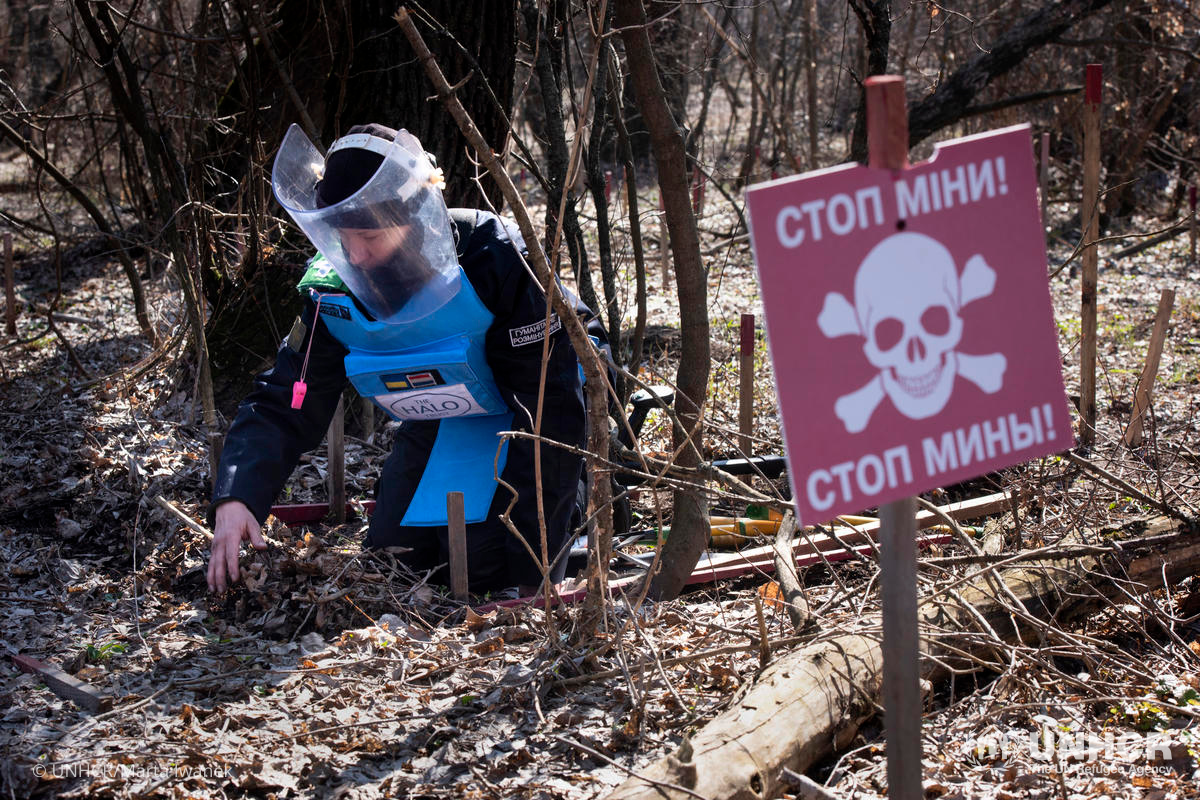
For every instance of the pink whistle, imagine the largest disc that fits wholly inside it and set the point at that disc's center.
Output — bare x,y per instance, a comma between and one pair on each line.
299,388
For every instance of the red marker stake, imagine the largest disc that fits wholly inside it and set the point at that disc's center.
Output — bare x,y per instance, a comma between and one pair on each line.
887,142
1089,213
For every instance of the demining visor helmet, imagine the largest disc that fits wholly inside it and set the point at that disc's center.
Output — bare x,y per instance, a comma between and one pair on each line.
373,207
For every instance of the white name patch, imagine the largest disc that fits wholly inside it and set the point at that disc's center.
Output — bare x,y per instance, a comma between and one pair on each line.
528,334
435,403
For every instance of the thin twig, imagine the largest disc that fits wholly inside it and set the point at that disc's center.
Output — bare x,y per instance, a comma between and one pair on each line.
1101,472
595,754
671,662
196,526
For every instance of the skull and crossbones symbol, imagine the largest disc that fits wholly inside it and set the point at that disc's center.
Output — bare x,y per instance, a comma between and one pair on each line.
908,298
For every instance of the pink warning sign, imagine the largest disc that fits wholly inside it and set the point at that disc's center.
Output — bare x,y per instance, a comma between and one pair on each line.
909,320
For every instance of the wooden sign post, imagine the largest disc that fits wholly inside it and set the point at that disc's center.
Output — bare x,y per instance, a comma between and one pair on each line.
456,530
889,292
887,143
746,387
1089,227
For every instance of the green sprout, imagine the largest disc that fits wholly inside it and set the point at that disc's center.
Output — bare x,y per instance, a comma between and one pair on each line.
104,651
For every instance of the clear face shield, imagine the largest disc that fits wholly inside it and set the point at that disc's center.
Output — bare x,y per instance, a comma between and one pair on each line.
390,241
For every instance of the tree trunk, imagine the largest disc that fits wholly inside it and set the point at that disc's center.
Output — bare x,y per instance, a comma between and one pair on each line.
546,32
689,528
633,359
670,51
1127,155
811,48
380,82
338,65
346,64
876,21
811,702
954,95
711,72
598,185
29,63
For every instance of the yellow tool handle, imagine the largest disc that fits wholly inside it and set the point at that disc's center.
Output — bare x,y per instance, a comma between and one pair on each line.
738,531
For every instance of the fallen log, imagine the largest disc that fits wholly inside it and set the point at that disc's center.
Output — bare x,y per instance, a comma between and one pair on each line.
811,702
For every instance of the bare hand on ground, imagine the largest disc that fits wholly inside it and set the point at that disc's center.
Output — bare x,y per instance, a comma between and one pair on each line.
234,525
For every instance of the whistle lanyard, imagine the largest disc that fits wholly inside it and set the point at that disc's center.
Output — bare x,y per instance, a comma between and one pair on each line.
300,388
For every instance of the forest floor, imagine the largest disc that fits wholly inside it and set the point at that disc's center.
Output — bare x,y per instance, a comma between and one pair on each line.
333,672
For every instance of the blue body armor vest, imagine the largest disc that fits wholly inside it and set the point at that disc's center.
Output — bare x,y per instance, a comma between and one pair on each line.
433,369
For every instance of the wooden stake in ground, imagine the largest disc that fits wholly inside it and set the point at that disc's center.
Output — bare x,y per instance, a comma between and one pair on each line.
336,450
368,416
10,297
1044,174
64,685
664,248
1192,226
1141,398
808,28
457,531
1090,227
887,143
746,388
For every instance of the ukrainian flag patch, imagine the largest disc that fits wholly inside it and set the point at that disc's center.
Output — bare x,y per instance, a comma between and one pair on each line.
403,381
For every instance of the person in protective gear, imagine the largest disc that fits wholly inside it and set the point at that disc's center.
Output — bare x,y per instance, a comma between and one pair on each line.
432,313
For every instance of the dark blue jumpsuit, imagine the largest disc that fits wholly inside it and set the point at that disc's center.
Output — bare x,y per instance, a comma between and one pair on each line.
267,437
